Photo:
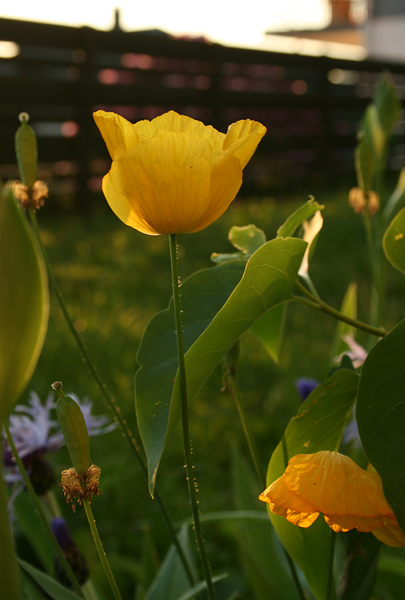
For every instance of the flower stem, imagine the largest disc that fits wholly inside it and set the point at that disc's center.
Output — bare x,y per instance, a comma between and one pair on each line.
100,549
329,579
192,487
322,306
41,511
234,390
109,399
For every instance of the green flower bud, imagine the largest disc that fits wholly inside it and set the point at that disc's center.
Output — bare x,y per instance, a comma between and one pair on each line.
75,432
26,151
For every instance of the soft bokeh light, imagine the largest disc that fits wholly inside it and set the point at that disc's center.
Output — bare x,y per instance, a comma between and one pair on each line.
227,22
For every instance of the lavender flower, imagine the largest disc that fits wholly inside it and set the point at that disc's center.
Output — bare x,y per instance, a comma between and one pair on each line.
357,353
305,386
36,433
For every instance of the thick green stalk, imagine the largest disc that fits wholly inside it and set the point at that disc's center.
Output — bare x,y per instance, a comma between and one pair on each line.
100,550
41,511
184,415
110,400
322,306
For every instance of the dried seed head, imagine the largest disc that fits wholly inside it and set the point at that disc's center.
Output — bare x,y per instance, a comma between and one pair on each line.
78,487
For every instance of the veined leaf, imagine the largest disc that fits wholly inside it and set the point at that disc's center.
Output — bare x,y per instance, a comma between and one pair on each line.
394,241
24,302
303,213
318,426
269,329
215,316
203,295
55,590
381,415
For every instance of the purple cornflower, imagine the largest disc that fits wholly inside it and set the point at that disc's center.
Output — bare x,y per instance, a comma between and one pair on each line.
36,433
304,386
73,555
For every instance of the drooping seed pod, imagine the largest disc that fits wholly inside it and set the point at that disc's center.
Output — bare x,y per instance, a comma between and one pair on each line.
75,432
26,151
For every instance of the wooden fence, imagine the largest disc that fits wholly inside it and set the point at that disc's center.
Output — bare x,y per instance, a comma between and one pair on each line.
311,106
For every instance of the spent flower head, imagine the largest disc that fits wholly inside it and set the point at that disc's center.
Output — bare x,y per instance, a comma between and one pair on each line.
36,432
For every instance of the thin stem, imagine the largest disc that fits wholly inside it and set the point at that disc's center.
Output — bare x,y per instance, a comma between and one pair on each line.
322,306
192,486
41,511
329,579
234,390
100,550
110,400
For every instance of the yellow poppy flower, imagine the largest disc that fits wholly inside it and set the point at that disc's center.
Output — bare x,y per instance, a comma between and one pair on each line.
174,174
332,484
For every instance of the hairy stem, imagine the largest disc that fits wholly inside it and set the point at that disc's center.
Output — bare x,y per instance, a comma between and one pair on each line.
192,486
100,550
316,304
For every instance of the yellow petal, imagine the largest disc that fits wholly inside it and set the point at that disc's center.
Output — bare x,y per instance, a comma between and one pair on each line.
172,121
334,485
284,503
242,139
172,183
118,133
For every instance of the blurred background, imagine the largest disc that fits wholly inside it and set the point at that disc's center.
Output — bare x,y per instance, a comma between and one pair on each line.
306,70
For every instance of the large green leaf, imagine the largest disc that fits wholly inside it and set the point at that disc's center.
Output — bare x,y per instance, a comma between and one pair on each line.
387,104
268,280
24,302
381,415
213,323
9,585
397,198
364,163
54,589
171,580
32,527
261,554
203,294
269,329
303,213
394,241
318,426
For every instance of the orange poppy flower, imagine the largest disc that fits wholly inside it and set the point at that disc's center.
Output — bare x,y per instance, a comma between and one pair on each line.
334,485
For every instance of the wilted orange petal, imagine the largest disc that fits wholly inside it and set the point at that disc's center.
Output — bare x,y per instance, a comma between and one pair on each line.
284,503
348,522
391,535
118,133
334,485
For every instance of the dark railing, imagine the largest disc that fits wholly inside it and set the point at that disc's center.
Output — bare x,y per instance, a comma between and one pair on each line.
311,106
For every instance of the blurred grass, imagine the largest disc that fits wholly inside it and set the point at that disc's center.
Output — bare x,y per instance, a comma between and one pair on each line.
114,279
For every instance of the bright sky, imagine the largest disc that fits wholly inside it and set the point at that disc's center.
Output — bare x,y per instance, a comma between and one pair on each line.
228,21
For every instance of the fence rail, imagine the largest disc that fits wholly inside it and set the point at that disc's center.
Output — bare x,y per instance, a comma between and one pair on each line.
60,75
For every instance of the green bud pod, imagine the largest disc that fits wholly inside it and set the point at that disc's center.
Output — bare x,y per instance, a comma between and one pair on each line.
26,151
75,432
